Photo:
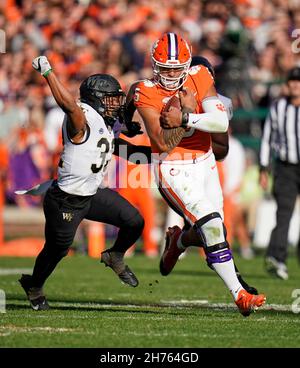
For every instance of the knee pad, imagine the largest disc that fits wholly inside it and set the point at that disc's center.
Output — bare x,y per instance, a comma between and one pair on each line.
212,234
210,230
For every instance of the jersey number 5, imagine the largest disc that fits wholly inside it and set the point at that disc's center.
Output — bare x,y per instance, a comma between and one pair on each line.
104,146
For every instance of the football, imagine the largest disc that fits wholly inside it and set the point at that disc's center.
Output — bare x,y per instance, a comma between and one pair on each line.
173,102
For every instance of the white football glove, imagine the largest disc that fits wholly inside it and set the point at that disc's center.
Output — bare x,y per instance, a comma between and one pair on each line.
42,65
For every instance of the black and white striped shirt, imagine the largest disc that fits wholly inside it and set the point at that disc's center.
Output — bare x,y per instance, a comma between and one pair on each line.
281,133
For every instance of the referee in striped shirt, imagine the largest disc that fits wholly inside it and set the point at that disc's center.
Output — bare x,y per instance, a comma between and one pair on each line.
281,136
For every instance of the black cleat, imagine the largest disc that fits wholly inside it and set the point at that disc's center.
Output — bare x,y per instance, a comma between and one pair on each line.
248,288
115,261
35,295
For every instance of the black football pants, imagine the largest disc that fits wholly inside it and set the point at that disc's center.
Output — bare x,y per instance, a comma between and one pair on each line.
64,212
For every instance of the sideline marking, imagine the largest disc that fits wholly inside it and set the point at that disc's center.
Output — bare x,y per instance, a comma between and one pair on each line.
14,271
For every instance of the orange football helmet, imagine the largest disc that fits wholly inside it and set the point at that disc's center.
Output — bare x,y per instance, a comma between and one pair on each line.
171,52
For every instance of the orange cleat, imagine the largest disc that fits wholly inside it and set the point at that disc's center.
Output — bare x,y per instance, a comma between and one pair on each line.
171,252
248,303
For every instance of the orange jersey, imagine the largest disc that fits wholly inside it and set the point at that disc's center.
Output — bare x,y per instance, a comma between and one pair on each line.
151,95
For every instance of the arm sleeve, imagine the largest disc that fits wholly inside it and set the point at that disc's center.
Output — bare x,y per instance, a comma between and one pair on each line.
213,120
227,102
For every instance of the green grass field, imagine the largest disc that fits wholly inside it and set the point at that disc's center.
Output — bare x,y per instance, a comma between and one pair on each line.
189,308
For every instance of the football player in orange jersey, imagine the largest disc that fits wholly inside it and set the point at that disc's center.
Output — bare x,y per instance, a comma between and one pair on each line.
220,147
185,165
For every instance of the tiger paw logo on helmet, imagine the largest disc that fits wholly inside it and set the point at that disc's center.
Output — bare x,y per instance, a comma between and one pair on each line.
171,58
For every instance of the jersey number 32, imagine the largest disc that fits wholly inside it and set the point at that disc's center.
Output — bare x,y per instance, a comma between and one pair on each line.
105,147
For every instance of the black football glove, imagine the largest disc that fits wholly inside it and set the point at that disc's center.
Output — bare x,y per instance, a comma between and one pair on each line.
133,127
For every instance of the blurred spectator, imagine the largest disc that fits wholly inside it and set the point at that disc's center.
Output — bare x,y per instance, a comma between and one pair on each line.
12,115
28,159
263,73
3,170
3,174
250,193
53,124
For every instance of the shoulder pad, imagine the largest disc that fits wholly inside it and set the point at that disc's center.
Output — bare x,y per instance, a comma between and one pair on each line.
148,83
194,69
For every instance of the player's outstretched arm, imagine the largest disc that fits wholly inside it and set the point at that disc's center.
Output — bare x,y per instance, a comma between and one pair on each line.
62,96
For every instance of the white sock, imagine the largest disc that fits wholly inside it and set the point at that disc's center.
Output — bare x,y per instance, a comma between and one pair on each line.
227,273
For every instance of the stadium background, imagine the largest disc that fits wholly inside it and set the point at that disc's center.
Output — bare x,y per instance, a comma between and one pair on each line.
248,42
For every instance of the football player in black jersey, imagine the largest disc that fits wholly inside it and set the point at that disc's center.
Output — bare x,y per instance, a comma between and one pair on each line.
89,141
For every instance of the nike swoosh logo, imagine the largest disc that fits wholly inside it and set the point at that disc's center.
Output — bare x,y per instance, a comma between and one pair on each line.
35,307
196,121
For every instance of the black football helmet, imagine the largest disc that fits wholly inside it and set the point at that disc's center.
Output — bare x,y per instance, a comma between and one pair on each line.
104,94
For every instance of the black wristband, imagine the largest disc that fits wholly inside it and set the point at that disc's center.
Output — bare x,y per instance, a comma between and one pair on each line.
185,119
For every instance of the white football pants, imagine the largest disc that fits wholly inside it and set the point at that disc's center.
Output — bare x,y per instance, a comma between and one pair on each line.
192,186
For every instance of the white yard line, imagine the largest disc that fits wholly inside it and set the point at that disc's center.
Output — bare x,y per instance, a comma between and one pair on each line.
14,271
173,303
205,303
10,328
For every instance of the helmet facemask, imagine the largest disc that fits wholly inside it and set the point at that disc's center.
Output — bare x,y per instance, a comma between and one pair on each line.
113,104
167,82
